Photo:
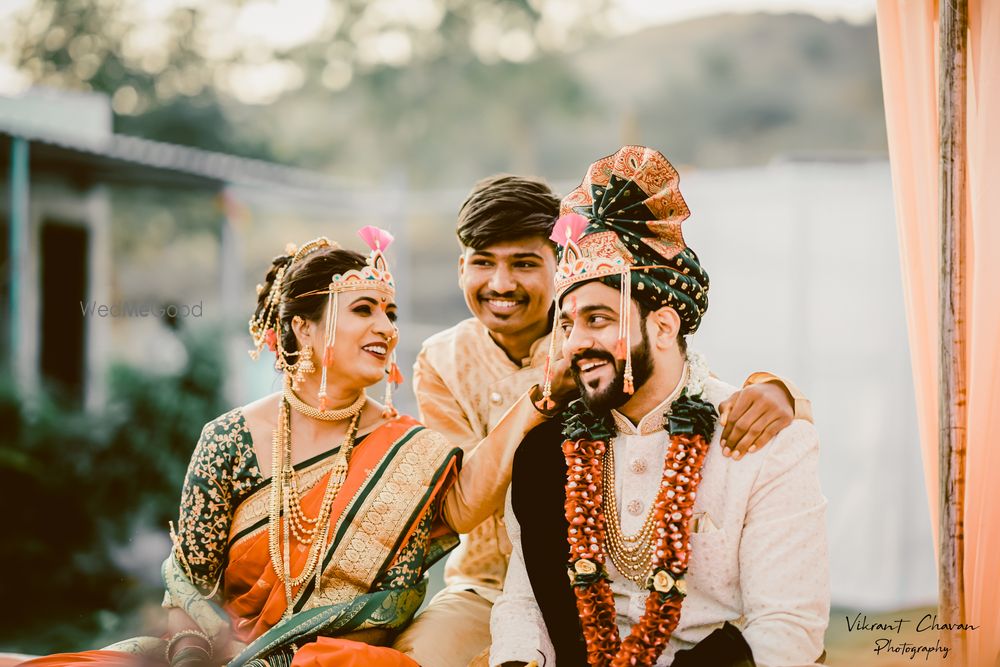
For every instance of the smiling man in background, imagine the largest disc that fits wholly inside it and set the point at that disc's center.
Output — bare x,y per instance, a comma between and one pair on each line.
468,376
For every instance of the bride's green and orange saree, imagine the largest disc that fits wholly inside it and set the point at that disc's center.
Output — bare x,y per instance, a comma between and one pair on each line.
384,534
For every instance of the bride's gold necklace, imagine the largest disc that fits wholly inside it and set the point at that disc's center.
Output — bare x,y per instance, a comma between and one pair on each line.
302,526
325,415
285,497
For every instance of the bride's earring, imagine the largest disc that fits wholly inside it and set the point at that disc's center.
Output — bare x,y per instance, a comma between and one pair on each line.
304,366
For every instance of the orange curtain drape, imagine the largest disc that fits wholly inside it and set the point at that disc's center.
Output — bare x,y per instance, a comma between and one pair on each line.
907,33
982,491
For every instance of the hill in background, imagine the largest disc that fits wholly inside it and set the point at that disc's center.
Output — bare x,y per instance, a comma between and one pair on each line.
739,89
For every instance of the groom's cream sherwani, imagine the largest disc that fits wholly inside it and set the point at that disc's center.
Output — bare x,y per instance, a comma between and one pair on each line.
759,554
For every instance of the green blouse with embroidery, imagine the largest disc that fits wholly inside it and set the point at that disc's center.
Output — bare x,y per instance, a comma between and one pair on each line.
222,474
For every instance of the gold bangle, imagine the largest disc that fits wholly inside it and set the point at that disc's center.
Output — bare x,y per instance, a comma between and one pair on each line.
190,633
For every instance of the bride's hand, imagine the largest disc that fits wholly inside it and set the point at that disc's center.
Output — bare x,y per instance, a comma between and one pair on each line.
564,387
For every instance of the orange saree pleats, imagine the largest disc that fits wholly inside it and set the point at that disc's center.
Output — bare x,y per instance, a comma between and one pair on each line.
326,652
84,659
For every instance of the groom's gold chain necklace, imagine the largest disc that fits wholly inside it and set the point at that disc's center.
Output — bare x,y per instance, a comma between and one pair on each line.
631,554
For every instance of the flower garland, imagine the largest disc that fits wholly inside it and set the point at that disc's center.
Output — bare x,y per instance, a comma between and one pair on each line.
690,423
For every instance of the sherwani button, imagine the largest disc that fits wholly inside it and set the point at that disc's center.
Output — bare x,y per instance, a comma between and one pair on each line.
496,398
638,465
634,507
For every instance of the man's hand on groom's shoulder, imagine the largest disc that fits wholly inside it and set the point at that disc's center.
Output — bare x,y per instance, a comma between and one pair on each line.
753,416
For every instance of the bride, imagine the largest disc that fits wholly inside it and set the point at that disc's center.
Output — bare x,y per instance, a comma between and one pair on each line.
309,517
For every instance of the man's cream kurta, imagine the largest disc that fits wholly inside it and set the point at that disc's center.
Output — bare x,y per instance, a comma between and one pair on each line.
464,383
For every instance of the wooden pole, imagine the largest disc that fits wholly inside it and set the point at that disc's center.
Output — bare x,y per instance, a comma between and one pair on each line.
230,285
953,366
18,198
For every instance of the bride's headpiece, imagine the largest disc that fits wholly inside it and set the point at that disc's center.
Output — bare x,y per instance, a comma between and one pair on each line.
375,275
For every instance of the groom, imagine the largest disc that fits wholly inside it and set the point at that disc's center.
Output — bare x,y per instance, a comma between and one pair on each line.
469,376
675,554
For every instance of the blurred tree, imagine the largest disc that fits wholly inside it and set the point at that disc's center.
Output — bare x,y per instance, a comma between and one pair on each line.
438,121
77,486
154,74
181,79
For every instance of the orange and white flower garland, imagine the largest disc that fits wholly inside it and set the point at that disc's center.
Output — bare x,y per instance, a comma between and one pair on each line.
690,423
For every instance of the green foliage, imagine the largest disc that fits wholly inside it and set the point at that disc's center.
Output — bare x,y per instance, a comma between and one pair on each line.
169,94
78,485
158,422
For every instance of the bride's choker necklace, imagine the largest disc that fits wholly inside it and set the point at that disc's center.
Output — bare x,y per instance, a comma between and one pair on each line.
340,414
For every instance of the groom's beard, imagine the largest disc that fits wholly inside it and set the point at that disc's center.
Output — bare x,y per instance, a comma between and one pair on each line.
612,395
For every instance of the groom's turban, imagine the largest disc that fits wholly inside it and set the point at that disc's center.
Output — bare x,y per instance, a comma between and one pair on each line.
632,209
